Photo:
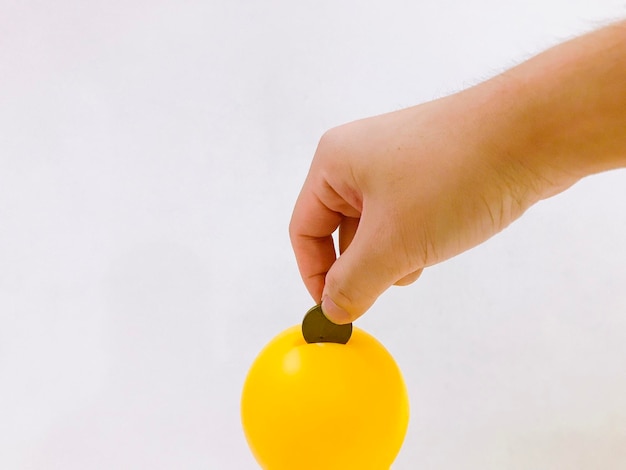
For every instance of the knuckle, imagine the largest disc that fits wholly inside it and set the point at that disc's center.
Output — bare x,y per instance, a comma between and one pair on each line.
332,143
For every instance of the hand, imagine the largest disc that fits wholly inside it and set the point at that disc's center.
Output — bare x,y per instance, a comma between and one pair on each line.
412,188
407,190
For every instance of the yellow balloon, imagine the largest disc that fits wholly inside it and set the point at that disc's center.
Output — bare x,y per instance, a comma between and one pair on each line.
324,406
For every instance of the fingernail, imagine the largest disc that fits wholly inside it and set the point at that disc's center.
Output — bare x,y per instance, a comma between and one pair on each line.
334,313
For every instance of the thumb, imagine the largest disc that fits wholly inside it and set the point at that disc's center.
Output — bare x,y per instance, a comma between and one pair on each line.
356,279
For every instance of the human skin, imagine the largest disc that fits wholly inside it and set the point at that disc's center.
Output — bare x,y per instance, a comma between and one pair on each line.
415,187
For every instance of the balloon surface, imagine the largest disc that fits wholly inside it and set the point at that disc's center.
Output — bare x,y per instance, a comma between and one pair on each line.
324,405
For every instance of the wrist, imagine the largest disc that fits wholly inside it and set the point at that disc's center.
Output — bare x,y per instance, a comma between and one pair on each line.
506,119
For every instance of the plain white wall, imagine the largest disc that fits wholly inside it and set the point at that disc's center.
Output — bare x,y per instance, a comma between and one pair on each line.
150,156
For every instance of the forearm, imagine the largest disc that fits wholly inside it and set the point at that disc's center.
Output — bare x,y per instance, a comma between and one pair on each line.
572,105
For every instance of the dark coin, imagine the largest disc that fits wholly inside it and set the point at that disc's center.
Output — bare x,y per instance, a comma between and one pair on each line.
316,328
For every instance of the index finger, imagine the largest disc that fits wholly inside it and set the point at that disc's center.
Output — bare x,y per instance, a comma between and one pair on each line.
311,228
319,211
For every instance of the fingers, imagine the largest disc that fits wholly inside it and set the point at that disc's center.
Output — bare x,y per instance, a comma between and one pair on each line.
367,267
318,212
310,230
372,256
409,278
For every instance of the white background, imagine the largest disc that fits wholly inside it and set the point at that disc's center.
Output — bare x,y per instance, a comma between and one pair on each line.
150,156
